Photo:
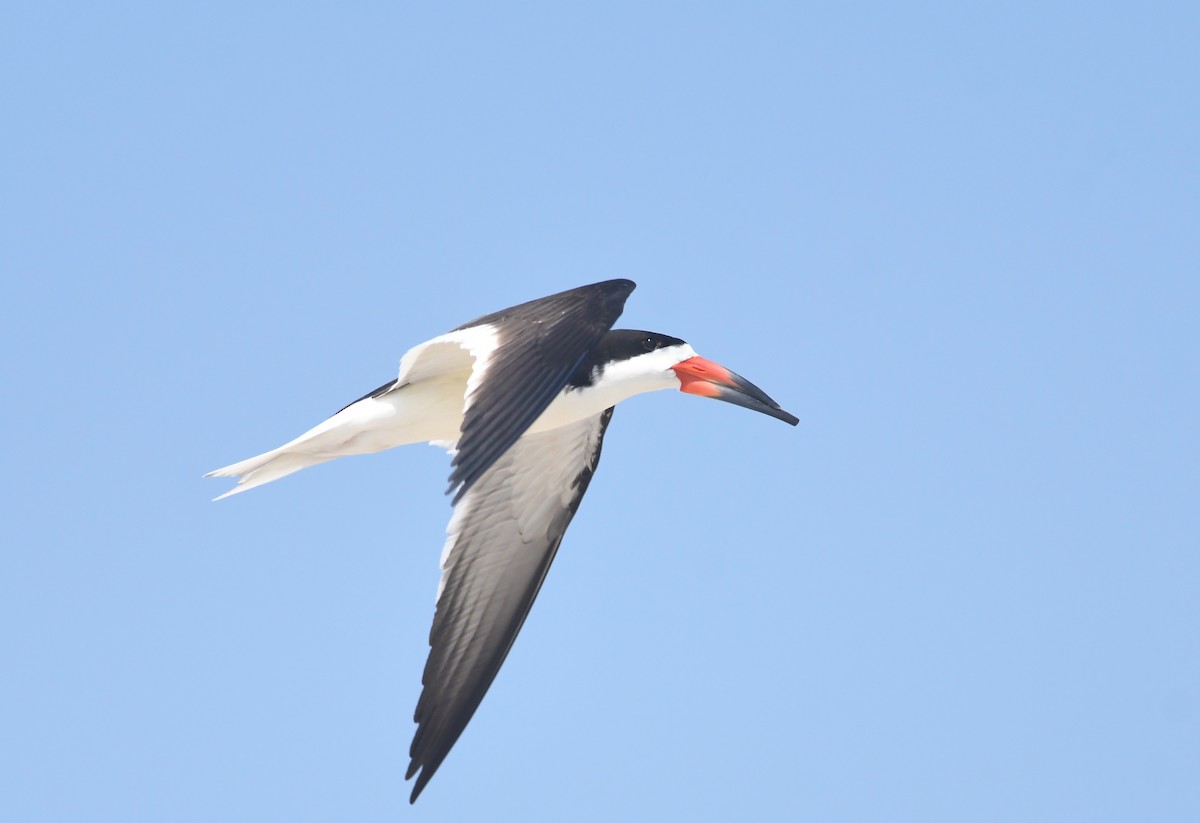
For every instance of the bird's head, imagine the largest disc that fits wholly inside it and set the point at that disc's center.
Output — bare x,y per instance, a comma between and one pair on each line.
646,361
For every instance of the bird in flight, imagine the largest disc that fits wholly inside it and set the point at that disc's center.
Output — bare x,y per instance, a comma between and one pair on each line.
521,398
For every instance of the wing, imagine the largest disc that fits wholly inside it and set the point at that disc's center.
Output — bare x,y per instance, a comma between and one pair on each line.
499,546
533,349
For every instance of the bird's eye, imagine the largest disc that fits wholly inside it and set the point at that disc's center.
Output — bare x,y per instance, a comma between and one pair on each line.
649,344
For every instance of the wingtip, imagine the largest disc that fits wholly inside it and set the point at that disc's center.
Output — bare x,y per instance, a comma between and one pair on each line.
622,286
419,787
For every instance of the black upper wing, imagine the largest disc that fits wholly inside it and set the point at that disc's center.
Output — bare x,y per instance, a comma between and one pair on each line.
500,543
539,345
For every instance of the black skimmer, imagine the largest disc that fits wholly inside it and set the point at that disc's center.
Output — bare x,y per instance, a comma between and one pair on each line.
521,398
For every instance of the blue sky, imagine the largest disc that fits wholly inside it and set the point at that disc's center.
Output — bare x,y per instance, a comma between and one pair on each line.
960,243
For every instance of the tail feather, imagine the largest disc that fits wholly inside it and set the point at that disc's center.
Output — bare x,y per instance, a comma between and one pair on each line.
374,423
264,468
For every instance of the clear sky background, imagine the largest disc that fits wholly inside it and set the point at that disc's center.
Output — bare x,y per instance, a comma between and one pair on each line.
962,244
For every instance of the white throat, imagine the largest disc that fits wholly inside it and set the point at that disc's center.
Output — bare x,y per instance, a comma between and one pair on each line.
613,383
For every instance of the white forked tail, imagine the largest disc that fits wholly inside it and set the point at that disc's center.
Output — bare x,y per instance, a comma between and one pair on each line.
428,411
264,468
430,408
